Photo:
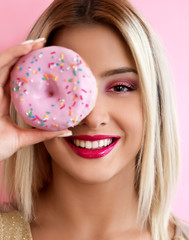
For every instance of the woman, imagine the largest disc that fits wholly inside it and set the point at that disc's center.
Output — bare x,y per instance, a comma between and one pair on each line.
125,194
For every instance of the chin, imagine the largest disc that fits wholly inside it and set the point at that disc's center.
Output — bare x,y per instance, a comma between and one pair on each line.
85,172
92,178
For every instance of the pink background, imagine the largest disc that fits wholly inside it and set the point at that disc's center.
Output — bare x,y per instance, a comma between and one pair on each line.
170,19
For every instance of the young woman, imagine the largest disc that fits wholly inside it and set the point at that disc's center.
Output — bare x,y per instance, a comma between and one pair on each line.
54,193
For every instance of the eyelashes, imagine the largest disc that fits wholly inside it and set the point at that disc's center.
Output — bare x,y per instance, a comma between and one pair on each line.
121,87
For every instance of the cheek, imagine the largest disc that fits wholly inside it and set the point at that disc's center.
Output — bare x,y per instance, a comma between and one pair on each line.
129,116
55,147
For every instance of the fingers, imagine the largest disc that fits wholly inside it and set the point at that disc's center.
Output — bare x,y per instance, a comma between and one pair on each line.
33,136
12,54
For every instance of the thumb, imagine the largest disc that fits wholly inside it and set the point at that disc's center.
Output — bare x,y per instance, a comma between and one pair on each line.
33,136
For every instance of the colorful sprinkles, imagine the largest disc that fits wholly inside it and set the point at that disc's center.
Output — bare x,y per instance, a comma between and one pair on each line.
35,84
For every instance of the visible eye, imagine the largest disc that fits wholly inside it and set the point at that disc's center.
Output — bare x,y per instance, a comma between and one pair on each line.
120,87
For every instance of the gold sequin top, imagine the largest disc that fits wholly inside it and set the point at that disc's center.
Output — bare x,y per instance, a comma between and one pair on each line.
13,227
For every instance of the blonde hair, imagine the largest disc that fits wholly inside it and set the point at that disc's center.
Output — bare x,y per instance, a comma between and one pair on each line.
157,163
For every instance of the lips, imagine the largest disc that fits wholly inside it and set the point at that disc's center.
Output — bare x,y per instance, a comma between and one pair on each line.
92,147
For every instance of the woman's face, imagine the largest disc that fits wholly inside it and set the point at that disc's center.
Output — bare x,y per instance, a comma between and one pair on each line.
117,116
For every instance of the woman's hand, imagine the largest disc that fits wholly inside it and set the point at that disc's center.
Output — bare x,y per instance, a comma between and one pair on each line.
12,138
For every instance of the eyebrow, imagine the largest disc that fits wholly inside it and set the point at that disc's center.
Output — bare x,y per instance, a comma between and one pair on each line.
118,71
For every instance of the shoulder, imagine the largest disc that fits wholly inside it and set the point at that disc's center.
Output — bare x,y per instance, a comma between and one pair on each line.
13,226
181,229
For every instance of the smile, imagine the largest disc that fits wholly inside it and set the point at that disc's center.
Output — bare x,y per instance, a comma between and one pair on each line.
92,146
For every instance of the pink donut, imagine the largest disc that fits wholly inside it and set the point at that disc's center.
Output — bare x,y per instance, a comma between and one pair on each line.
52,88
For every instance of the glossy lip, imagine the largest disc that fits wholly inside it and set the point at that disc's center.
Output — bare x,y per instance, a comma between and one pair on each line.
92,153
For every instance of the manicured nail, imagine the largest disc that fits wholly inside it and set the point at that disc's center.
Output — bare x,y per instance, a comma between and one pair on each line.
66,134
27,42
39,40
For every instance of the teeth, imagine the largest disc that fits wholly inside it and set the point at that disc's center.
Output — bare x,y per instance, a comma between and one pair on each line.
77,142
82,144
101,143
92,144
88,145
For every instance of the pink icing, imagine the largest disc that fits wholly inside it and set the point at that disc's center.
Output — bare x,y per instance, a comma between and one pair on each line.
52,88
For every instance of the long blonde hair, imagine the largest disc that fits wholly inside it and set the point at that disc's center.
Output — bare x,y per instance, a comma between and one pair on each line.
157,163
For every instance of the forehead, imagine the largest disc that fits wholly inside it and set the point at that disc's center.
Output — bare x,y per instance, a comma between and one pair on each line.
99,45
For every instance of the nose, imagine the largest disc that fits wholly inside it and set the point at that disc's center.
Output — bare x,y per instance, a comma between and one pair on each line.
98,117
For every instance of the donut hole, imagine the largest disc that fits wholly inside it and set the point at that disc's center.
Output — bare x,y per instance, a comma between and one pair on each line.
52,90
51,94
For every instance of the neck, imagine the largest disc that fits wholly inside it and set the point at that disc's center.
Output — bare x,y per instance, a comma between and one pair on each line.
96,207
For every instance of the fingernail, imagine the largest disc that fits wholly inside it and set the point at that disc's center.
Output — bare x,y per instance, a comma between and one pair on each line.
39,40
27,42
66,134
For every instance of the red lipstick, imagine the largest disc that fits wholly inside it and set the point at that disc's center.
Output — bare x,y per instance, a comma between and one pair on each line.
99,151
